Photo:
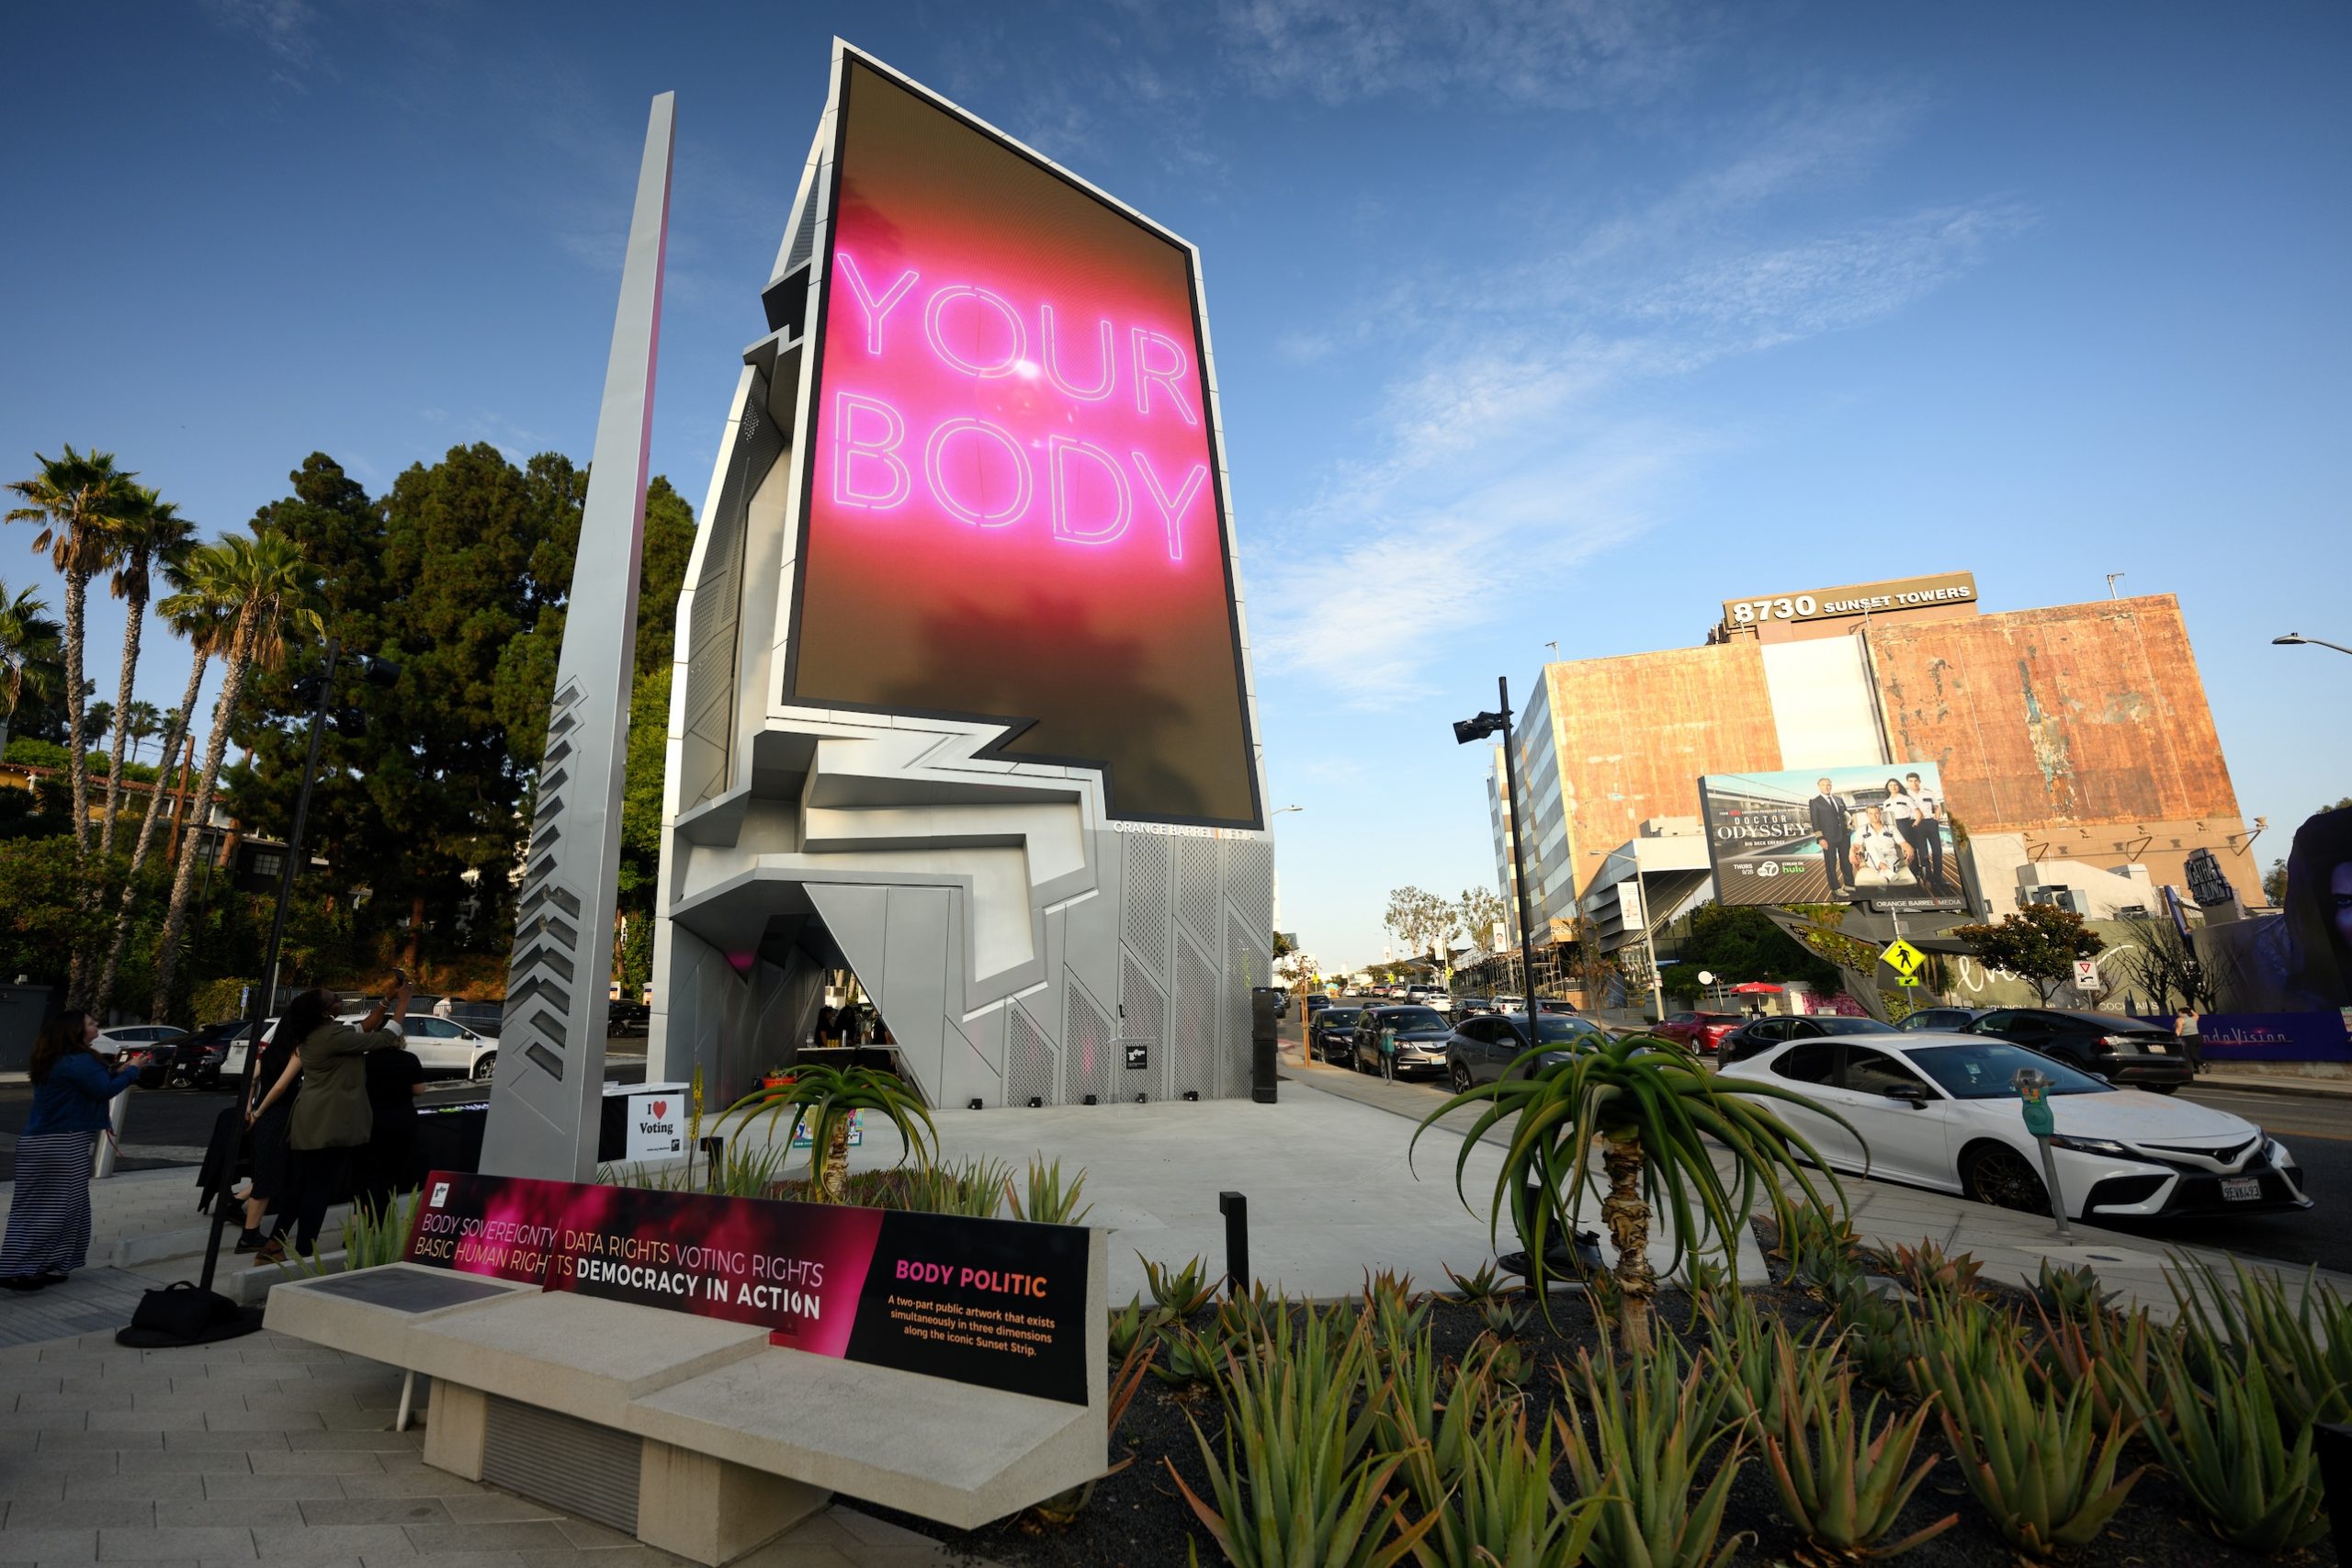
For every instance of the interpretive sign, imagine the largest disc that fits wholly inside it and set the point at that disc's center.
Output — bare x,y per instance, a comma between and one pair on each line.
1001,1303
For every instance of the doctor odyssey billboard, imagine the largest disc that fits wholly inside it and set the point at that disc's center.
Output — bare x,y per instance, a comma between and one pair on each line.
1877,835
1014,506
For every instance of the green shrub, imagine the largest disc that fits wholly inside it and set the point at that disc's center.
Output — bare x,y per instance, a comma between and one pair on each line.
1652,1443
1505,1512
1132,1326
1297,1483
1050,1200
1485,1285
2111,1354
1762,1366
1932,1274
2042,1465
1188,1355
2072,1295
370,1238
1842,1480
1880,1329
974,1188
2259,1489
2303,1348
1182,1291
1427,1412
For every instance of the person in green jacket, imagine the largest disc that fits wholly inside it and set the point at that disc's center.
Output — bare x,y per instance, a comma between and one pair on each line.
331,1120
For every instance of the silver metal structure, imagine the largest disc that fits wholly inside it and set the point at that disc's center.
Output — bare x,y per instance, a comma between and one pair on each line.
547,1101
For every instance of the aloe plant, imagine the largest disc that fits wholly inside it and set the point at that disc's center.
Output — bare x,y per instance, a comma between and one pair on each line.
2111,1354
370,1238
1651,1444
1134,1325
1050,1200
1429,1418
1297,1482
2304,1347
1843,1479
1933,1274
1064,1507
2072,1295
1188,1355
1881,1334
2227,1445
1505,1512
2043,1465
822,1097
1181,1291
1656,1117
1762,1366
1484,1285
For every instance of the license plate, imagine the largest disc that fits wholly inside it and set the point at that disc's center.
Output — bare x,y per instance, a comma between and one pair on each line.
2156,1050
2241,1188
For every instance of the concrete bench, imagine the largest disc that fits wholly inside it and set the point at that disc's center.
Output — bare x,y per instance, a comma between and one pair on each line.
694,1434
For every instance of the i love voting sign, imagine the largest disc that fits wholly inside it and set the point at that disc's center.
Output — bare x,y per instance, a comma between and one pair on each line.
657,1126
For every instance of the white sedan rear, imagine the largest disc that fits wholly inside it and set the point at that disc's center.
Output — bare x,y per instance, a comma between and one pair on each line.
1938,1110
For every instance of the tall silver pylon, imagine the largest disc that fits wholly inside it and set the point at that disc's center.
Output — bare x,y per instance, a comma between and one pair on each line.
547,1103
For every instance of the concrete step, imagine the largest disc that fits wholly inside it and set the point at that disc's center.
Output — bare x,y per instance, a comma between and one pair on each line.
155,1249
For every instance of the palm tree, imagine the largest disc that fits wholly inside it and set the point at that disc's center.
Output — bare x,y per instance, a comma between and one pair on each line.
150,530
79,501
145,723
201,608
28,654
275,592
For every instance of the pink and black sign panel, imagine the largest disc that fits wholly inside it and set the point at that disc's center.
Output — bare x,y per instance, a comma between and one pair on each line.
997,1303
1012,505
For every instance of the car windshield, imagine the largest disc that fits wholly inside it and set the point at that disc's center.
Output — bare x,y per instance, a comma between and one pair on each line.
1983,1072
1550,1029
1851,1026
1341,1016
1406,1021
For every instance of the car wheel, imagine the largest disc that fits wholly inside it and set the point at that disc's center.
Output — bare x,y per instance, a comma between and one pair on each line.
486,1067
1999,1176
1461,1077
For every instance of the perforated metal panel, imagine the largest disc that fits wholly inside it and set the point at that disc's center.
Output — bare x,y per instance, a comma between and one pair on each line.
1029,1062
1086,1040
1250,876
1192,1062
1196,880
1245,965
1147,898
715,617
1145,1017
576,1465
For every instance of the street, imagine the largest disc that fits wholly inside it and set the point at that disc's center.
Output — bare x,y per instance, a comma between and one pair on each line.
2317,1128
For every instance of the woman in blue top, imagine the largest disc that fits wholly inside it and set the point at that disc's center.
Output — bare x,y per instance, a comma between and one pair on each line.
48,1224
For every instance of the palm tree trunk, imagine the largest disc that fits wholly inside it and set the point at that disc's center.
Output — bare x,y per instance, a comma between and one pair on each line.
77,766
132,616
168,944
1628,1219
173,737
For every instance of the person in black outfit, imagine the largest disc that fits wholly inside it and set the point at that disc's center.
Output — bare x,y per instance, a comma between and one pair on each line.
271,1191
1832,818
394,1080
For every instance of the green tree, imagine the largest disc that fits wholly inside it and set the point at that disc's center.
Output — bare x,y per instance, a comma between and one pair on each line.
2039,944
149,531
46,914
276,594
29,654
1738,942
78,502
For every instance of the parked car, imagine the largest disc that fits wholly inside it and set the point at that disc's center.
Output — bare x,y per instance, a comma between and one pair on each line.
626,1019
1943,1020
1700,1032
1317,1001
1470,1007
1332,1035
1486,1048
197,1060
1939,1111
1556,1004
2121,1050
440,1044
142,1046
1430,997
1421,1034
1282,999
1760,1034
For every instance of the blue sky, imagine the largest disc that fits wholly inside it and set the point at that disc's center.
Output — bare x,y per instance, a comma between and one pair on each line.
1536,320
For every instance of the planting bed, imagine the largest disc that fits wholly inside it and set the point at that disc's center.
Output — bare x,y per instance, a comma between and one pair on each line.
1137,1518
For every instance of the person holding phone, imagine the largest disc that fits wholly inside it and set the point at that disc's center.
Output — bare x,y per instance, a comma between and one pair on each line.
332,1121
49,1222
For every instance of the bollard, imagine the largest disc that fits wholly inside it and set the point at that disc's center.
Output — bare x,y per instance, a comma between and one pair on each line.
1235,1207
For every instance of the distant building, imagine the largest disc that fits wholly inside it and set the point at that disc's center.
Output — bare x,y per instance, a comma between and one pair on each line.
2072,736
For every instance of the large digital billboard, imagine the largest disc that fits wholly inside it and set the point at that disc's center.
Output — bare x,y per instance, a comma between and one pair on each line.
1013,506
1877,835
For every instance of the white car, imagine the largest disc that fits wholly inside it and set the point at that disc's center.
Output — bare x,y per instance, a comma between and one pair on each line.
440,1044
1938,1111
138,1037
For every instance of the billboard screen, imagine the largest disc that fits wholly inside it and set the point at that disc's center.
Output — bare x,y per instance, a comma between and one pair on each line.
1012,505
1876,835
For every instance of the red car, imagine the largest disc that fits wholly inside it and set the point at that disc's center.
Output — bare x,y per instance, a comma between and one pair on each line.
1700,1032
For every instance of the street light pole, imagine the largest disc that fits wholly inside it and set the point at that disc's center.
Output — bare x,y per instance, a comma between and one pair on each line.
2293,639
1478,728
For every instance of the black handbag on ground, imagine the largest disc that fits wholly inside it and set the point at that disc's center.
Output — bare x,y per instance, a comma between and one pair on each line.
179,1314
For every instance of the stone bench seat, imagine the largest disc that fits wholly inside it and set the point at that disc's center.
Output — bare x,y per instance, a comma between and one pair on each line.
732,1440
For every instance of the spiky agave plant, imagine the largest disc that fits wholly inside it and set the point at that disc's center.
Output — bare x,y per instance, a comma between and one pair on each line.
1649,1108
822,1099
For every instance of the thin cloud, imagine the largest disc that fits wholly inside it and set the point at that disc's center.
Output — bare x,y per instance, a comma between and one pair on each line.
287,29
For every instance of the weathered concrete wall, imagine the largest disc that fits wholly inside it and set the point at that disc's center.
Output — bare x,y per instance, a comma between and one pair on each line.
1644,728
2084,727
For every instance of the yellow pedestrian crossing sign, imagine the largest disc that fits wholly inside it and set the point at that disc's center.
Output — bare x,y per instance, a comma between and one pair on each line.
1905,958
